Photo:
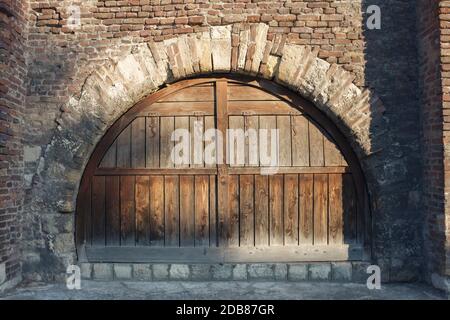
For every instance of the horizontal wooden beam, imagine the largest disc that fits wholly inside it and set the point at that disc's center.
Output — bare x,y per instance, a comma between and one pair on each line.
285,170
159,171
283,254
213,171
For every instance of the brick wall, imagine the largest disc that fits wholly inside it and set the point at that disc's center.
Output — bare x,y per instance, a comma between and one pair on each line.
60,59
12,94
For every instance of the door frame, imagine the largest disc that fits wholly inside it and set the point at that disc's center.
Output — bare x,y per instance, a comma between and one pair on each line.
362,252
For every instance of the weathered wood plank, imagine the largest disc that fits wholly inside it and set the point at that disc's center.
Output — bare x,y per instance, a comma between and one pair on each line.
199,93
197,127
236,141
268,153
152,142
172,211
233,212
276,209
157,210
138,143
350,209
291,211
261,210
187,215
332,154
98,210
315,146
261,108
182,125
292,254
127,211
109,159
251,124
285,147
247,217
166,144
306,205
112,185
246,93
201,211
212,212
320,209
335,209
210,143
124,148
166,109
142,210
300,141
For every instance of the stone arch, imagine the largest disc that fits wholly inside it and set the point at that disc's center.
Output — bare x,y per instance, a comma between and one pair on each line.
110,91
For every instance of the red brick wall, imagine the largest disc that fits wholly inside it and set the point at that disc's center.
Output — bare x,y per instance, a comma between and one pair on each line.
12,96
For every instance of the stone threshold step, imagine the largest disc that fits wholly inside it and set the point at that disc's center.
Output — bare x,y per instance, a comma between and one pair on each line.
323,271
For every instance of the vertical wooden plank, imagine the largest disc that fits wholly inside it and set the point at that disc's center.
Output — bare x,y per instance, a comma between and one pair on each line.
187,216
222,177
172,211
349,204
127,210
246,221
98,210
201,211
276,209
251,141
267,156
335,209
138,143
210,145
320,208
236,141
182,123
83,218
233,216
152,142
157,211
315,146
212,212
306,205
261,210
197,126
109,159
112,185
166,144
284,127
291,212
300,141
124,148
332,154
142,210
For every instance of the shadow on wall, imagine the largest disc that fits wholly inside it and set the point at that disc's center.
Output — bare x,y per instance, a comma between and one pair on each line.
391,71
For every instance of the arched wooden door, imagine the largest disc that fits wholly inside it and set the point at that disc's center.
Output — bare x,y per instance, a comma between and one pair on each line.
136,205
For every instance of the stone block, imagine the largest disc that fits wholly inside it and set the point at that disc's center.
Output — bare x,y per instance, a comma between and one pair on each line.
123,271
319,271
142,272
222,271
260,271
179,272
160,271
359,271
102,271
86,270
201,272
298,272
280,271
240,272
341,271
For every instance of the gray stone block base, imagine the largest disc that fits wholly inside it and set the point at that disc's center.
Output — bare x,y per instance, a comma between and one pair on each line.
323,271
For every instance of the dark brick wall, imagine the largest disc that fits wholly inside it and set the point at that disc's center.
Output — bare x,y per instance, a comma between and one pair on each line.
12,96
432,130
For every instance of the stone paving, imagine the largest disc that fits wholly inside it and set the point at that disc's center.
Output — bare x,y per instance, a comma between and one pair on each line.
233,290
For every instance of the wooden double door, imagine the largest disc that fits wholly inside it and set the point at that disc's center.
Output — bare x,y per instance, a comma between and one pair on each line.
221,170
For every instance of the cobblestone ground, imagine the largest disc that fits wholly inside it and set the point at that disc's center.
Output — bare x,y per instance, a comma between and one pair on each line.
97,290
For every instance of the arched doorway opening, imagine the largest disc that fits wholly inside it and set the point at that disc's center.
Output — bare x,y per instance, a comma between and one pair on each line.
136,204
